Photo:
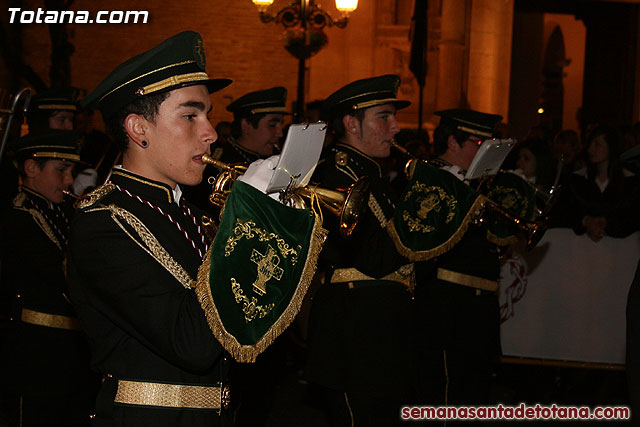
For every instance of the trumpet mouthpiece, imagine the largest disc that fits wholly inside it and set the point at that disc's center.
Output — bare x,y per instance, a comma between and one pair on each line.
70,194
217,163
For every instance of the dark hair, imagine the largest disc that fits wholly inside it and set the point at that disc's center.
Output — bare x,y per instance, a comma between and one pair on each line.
20,160
441,137
253,119
314,105
147,107
337,126
545,168
568,135
615,145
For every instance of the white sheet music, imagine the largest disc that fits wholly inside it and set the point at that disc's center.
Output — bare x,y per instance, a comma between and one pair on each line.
489,157
299,156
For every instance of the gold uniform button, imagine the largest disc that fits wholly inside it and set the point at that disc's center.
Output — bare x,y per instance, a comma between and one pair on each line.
341,158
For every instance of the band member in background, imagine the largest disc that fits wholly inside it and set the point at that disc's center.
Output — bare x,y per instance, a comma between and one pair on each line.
47,355
256,131
53,108
360,328
456,293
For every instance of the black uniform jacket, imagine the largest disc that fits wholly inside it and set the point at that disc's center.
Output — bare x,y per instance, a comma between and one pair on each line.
40,359
143,323
359,337
456,316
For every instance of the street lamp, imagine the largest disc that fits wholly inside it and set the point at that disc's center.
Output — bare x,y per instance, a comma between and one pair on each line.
304,21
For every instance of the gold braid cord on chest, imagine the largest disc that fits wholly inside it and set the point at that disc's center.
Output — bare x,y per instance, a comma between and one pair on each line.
149,243
38,217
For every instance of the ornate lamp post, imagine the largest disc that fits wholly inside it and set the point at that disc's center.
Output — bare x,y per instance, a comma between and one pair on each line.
304,21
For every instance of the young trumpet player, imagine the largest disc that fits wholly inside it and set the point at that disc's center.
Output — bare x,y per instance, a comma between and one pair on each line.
360,352
45,354
456,293
164,306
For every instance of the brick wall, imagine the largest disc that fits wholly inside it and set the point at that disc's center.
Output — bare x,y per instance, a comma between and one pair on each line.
237,44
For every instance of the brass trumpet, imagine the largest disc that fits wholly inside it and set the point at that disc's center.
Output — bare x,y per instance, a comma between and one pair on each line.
222,183
410,165
533,230
348,204
5,125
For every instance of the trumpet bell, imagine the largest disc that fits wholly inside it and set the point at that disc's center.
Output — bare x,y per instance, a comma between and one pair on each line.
347,204
535,234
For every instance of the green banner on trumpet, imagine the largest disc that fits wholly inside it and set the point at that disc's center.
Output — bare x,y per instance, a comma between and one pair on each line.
517,196
258,270
433,214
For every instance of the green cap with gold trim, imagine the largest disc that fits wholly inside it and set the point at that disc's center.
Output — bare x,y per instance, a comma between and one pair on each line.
177,62
49,144
267,101
364,93
57,98
472,122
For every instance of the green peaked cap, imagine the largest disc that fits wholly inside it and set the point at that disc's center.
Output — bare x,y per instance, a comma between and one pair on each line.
472,122
262,101
49,144
364,93
177,62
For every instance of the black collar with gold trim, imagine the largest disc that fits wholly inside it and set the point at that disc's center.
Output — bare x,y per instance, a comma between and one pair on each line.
147,189
365,164
37,198
250,156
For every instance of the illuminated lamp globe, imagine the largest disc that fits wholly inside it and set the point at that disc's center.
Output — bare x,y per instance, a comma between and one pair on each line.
262,4
346,6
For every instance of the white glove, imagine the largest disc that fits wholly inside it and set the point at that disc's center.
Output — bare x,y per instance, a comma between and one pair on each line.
259,174
85,179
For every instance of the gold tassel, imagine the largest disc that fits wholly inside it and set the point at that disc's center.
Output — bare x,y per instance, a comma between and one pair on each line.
24,128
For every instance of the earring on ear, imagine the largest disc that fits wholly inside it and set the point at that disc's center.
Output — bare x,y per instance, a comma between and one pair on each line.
144,144
353,130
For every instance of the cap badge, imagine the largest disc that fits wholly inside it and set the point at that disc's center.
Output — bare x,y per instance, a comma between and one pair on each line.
198,53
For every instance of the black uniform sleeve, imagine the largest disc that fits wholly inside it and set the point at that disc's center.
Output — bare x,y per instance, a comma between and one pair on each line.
109,273
369,248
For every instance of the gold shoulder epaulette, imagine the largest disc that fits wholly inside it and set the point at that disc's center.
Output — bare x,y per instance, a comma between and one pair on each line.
18,201
95,196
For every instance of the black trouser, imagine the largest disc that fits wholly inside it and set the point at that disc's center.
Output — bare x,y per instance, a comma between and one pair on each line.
362,409
46,411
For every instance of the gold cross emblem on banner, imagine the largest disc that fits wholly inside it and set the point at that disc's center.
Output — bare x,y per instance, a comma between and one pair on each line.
267,269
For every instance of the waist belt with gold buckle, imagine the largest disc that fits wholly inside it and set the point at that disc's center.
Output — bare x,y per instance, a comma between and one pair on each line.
50,320
467,280
172,395
404,275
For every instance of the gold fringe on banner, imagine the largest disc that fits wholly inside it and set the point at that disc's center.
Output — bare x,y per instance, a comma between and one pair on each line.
501,241
478,205
248,353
